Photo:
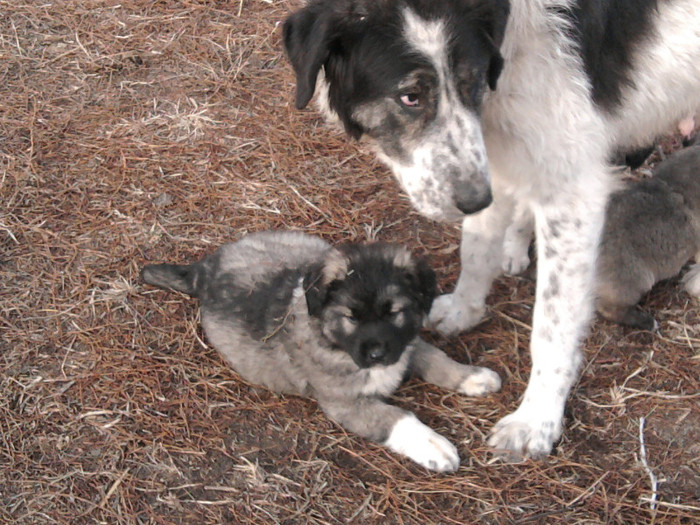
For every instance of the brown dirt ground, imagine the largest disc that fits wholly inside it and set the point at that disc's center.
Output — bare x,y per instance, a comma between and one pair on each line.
139,131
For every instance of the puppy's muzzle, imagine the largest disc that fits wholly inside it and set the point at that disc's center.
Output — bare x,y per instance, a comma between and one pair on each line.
378,345
374,351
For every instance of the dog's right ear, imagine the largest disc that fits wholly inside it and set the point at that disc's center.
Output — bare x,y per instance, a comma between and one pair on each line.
307,36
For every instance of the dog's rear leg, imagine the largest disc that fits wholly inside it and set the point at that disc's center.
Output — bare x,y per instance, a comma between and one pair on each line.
568,229
481,254
434,366
397,429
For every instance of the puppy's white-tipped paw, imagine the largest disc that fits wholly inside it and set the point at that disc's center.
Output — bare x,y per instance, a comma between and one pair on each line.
481,381
450,315
517,436
423,445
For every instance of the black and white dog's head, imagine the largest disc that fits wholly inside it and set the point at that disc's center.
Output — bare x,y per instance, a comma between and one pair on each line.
371,300
410,75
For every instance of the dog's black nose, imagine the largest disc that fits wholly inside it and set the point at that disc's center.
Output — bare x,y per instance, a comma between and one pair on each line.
472,202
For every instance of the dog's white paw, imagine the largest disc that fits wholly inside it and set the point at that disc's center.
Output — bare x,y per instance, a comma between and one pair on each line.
423,445
515,259
481,381
521,435
691,280
450,315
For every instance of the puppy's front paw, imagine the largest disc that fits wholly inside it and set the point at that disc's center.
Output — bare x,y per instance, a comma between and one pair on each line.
423,445
520,435
450,315
480,381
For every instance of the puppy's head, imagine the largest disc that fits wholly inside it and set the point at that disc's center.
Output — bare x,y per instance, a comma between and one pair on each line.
411,76
371,300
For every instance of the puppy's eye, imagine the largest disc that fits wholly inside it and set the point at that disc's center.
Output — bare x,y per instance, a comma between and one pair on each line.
397,311
411,100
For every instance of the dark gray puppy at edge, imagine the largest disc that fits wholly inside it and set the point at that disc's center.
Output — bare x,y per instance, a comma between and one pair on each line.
652,228
289,312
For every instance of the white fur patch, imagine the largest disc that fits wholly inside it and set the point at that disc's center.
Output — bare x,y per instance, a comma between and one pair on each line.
423,445
516,243
426,37
665,83
691,280
384,380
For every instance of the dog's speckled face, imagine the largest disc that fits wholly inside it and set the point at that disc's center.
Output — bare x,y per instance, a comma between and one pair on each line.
410,76
371,300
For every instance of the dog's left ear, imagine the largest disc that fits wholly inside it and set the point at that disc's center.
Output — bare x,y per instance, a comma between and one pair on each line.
422,277
495,21
307,36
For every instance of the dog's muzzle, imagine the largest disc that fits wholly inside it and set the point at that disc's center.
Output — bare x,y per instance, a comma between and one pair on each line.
471,200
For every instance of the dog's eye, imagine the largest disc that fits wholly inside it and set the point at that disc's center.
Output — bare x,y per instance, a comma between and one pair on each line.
411,100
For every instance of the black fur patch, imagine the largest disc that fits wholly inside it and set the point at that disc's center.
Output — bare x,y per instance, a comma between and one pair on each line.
609,33
262,308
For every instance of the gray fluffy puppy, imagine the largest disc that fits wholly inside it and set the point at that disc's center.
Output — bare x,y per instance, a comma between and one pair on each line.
291,313
652,229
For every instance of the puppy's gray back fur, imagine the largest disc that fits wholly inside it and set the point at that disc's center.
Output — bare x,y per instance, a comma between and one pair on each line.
652,229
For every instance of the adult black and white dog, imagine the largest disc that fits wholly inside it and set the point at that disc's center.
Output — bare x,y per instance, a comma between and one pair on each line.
508,109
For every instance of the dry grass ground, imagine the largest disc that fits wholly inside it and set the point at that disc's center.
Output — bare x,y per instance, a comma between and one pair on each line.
140,131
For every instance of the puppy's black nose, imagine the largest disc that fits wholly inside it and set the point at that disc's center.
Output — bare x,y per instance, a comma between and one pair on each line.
374,351
472,201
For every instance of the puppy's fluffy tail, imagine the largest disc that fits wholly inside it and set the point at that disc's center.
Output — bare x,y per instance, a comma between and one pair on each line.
178,277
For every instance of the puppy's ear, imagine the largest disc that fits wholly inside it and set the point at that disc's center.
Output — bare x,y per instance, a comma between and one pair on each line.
316,292
423,279
322,279
307,37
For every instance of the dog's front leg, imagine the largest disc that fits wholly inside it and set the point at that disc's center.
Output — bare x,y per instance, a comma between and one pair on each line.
434,366
397,429
481,254
567,231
